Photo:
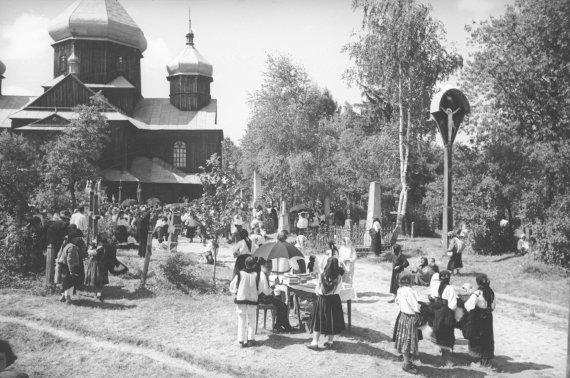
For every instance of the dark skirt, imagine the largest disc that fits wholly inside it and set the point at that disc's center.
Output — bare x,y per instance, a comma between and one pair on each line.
482,341
375,242
96,276
328,317
455,262
190,232
122,234
443,325
406,333
394,282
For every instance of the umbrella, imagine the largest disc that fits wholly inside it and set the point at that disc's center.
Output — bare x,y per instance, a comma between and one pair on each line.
279,249
129,202
299,207
153,201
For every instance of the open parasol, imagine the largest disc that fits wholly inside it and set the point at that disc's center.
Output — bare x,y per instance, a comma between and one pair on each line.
270,251
300,207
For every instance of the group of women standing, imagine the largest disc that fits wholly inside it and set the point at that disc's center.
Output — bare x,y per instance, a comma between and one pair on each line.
82,268
444,312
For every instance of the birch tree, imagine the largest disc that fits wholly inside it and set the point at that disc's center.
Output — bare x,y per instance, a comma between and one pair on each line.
400,56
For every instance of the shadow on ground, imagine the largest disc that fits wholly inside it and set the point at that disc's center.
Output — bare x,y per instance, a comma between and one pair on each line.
369,335
504,364
119,292
103,305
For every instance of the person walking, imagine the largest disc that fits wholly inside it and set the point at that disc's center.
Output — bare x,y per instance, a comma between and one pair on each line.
246,285
455,251
327,317
405,330
399,263
67,269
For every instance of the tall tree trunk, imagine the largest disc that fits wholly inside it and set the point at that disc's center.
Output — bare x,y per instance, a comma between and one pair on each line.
71,189
403,147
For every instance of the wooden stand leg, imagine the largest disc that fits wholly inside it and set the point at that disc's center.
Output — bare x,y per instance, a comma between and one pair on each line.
349,311
301,325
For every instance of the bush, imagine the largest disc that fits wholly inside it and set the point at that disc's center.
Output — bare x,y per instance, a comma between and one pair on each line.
16,246
491,238
176,271
553,239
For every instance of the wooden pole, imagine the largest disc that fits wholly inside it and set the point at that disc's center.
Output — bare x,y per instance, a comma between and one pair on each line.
147,257
447,200
50,260
568,348
412,232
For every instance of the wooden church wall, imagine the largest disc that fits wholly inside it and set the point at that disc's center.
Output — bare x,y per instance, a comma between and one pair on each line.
200,145
98,61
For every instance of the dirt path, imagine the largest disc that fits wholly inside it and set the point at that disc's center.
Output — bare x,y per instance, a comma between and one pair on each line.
527,343
74,337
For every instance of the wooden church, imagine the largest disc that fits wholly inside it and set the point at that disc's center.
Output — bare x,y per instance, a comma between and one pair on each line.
157,143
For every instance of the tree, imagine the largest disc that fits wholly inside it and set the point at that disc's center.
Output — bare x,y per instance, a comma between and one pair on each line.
19,174
399,58
282,140
519,80
219,201
72,157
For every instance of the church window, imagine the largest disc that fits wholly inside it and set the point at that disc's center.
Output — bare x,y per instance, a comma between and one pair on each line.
179,155
62,63
121,64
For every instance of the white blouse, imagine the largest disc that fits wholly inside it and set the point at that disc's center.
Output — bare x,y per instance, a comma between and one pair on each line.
407,298
451,297
477,300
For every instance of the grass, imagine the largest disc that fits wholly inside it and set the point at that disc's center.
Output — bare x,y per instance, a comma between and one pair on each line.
199,327
516,276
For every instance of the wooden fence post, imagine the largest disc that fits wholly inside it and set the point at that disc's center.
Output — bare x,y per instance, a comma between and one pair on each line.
412,231
50,260
147,257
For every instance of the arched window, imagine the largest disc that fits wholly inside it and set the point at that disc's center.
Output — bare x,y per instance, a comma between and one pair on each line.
179,154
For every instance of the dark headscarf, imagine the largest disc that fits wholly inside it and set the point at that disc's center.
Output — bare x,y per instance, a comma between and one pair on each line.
329,277
489,295
333,247
397,248
240,264
444,278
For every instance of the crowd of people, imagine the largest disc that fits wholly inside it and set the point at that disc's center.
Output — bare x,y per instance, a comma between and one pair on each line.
442,311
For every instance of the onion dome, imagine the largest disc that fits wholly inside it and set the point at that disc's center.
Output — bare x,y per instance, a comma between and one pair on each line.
190,61
2,68
98,20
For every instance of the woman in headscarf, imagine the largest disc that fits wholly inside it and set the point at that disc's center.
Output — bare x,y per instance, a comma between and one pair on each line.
480,306
243,247
101,260
67,270
423,273
376,237
399,263
455,250
347,255
327,317
443,307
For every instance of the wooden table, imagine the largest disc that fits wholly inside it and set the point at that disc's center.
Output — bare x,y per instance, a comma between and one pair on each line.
307,290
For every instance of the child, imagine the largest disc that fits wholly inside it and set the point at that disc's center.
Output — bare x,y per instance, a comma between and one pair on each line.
282,314
247,286
311,265
405,331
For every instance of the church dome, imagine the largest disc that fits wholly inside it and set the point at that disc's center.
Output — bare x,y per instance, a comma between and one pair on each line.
2,68
190,61
98,19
